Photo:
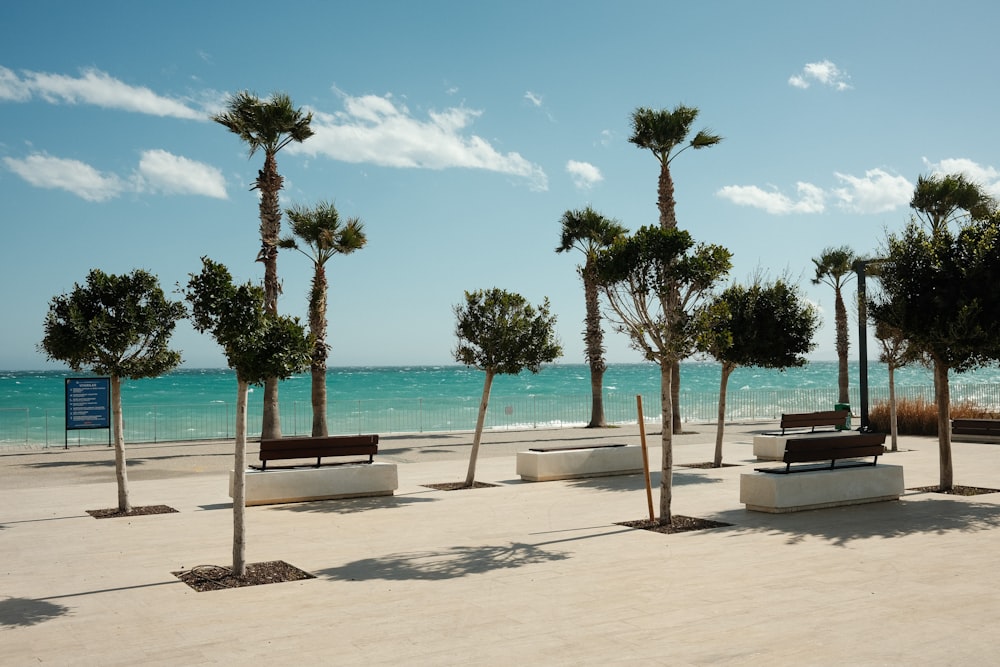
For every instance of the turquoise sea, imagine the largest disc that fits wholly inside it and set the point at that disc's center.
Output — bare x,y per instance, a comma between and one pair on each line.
198,403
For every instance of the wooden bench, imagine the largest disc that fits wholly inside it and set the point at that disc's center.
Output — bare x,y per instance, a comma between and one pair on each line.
830,448
982,430
318,448
814,420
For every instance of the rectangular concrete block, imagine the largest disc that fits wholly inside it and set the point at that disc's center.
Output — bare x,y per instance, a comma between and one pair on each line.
794,492
536,466
771,447
290,485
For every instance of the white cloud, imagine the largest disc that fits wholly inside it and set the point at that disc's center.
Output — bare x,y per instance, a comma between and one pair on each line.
584,174
164,172
810,198
45,171
92,87
824,73
535,100
378,130
988,177
158,171
876,192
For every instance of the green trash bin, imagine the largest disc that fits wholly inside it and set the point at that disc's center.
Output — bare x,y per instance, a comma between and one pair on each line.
846,426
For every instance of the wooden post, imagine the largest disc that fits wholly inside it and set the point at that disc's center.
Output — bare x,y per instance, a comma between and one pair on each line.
645,457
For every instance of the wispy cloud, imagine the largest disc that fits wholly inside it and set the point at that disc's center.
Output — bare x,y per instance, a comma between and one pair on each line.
584,174
533,99
988,177
158,172
381,131
91,87
824,73
876,192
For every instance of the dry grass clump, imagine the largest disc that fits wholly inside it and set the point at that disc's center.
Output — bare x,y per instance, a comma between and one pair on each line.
918,416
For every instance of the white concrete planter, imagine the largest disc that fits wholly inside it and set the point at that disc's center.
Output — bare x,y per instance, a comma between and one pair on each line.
794,492
542,466
290,485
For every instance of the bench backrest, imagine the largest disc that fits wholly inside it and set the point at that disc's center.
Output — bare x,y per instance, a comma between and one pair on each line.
304,448
814,419
832,448
975,426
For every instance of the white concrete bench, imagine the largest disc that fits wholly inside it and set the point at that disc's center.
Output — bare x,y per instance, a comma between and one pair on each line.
290,485
545,464
765,492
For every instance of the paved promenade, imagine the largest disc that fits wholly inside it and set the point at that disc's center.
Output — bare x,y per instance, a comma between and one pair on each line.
528,573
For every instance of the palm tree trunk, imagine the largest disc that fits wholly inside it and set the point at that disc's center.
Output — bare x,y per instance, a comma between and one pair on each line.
317,326
269,183
942,396
840,317
470,477
727,368
116,416
667,441
240,480
595,345
665,198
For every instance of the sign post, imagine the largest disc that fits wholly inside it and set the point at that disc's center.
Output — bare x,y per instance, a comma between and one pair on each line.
88,405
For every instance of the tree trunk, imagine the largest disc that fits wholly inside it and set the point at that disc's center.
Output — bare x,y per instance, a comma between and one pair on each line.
240,481
727,368
269,183
942,396
119,434
840,318
667,441
893,428
675,397
470,477
317,327
665,198
594,338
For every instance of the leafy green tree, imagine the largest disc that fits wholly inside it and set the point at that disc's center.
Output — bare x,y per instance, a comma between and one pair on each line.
764,325
656,282
937,286
118,326
500,333
950,199
834,267
267,125
323,235
588,231
664,132
258,345
895,352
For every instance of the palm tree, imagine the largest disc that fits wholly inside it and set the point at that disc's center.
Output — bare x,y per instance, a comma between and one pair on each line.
268,125
589,231
324,235
664,133
834,267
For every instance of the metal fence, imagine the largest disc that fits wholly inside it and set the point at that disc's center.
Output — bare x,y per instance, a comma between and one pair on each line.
22,427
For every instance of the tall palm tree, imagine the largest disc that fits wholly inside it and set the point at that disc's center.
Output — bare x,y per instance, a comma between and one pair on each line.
834,267
664,133
324,235
267,125
589,231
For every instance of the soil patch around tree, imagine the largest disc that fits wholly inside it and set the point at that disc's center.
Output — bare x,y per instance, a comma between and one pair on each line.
114,512
458,486
707,465
219,577
678,524
957,490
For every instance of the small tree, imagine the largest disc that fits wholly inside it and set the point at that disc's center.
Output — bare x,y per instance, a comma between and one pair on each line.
764,324
590,232
834,267
655,282
500,333
895,352
258,346
118,326
324,235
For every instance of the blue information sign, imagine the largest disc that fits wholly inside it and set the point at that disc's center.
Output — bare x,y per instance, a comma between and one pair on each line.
88,403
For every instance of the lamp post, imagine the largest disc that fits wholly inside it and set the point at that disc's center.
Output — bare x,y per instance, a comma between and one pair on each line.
860,266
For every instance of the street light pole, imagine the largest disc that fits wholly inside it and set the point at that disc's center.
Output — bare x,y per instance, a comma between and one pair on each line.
859,266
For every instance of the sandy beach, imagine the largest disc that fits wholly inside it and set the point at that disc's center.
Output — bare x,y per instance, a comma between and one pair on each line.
536,573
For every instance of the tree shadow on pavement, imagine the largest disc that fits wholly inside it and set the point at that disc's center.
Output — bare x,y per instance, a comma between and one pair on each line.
22,612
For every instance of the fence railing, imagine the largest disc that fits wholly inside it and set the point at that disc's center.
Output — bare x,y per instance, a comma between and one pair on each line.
22,427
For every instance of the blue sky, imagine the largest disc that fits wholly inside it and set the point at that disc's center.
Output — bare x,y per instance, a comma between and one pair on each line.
460,132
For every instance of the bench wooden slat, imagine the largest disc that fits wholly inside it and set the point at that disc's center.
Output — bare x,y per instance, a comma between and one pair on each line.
811,420
832,449
318,448
970,426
